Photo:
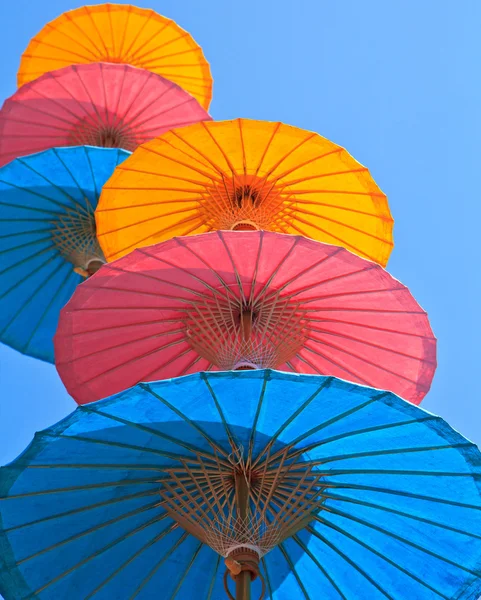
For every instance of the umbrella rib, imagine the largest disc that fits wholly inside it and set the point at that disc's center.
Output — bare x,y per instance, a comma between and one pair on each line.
126,482
275,130
32,295
343,436
147,579
380,555
75,511
264,290
186,571
290,152
305,549
349,561
61,189
214,577
218,407
84,34
316,370
309,161
127,27
369,326
267,579
158,232
95,555
191,157
291,418
131,340
341,223
329,422
136,37
153,128
387,452
135,359
89,209
112,443
260,401
149,430
371,344
300,273
294,572
369,362
403,514
344,241
95,528
70,275
208,438
398,538
371,488
217,144
187,164
214,291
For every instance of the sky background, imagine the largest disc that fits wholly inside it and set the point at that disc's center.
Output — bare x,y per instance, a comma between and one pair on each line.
398,84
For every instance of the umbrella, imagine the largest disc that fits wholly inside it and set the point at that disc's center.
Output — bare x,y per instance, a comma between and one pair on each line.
317,487
244,174
47,239
117,33
99,104
234,299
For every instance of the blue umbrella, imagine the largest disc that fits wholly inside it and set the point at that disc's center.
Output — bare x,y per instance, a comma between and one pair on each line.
48,243
341,491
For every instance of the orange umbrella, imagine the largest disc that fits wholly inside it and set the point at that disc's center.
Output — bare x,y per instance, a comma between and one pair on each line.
243,174
119,34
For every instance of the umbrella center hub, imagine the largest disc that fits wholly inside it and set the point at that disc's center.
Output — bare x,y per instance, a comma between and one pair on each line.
246,203
243,509
89,133
75,236
264,334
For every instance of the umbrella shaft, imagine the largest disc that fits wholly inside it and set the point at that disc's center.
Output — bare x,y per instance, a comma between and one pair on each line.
243,586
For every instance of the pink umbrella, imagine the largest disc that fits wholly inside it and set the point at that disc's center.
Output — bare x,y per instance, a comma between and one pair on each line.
236,300
98,104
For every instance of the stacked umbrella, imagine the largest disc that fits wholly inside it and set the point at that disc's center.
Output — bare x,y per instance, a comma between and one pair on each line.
219,252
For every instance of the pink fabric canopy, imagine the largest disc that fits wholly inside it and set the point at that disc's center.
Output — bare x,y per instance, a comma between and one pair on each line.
229,300
98,104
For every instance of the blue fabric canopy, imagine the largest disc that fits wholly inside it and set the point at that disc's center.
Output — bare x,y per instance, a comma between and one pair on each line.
82,514
40,197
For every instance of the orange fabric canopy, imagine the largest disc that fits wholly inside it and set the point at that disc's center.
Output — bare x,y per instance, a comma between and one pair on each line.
120,34
243,174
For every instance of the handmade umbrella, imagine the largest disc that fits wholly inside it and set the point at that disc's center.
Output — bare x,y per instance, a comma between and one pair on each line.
243,174
47,239
230,300
117,33
312,486
100,104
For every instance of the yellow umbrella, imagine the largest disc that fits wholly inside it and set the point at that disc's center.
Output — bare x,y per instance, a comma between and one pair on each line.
243,174
119,34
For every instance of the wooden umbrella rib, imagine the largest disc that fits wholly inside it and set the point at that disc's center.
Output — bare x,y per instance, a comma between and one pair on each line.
365,360
291,151
391,349
309,161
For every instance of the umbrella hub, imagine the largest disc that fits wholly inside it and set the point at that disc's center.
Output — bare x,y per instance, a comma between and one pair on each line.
243,507
261,333
93,133
246,203
74,234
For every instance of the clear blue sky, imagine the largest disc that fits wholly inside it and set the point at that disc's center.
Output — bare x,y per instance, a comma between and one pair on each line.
398,83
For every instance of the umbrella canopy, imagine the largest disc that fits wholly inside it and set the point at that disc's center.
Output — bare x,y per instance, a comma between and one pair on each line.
244,174
100,104
350,493
119,33
47,239
233,299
